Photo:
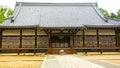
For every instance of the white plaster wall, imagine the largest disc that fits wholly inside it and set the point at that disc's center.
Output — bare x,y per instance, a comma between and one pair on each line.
90,32
11,32
106,32
28,32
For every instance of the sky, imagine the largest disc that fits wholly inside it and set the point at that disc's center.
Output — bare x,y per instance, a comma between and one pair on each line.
109,5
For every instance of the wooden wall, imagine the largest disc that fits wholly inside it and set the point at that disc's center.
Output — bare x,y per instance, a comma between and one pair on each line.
30,38
25,39
94,38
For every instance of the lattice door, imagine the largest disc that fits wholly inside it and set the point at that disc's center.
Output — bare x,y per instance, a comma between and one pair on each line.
28,42
107,41
42,42
91,41
78,41
10,42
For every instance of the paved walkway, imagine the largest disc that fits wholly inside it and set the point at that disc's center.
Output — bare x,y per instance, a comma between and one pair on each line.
68,61
51,62
75,62
107,65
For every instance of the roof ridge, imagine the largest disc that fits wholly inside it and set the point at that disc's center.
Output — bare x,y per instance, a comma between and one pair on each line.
99,13
16,14
56,4
116,19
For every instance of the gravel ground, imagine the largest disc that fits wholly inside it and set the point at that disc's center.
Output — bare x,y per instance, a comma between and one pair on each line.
57,61
21,61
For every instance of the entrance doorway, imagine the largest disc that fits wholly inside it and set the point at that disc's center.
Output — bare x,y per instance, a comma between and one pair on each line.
60,41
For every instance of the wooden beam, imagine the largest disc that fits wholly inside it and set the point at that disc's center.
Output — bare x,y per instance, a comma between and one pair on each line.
46,31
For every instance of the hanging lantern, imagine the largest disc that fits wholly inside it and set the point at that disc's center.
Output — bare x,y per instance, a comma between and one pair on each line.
62,29
61,36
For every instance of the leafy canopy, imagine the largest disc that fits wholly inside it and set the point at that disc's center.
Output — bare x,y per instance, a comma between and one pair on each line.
110,15
118,14
4,13
104,12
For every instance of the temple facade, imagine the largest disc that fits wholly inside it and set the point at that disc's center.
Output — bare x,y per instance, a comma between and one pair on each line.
50,27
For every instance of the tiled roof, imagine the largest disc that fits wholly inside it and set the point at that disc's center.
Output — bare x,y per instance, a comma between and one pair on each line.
114,21
58,15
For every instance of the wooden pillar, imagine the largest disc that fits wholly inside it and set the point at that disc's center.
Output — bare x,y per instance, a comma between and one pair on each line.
84,41
1,38
35,40
20,41
97,39
72,46
20,38
116,38
49,42
83,38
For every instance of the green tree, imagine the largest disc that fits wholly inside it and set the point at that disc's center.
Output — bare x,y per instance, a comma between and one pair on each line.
104,12
118,14
113,15
4,13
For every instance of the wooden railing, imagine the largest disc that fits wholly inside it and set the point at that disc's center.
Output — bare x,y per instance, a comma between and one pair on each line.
99,49
85,49
22,48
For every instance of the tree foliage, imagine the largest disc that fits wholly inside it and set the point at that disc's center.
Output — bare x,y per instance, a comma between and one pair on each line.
113,15
110,15
118,14
105,12
4,13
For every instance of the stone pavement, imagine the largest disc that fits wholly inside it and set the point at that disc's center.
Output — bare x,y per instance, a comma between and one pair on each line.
75,62
107,65
51,62
70,61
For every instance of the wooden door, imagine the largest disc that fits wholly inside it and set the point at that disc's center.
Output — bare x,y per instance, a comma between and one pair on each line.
60,42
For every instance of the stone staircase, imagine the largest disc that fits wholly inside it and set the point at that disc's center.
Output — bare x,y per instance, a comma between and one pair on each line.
57,50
